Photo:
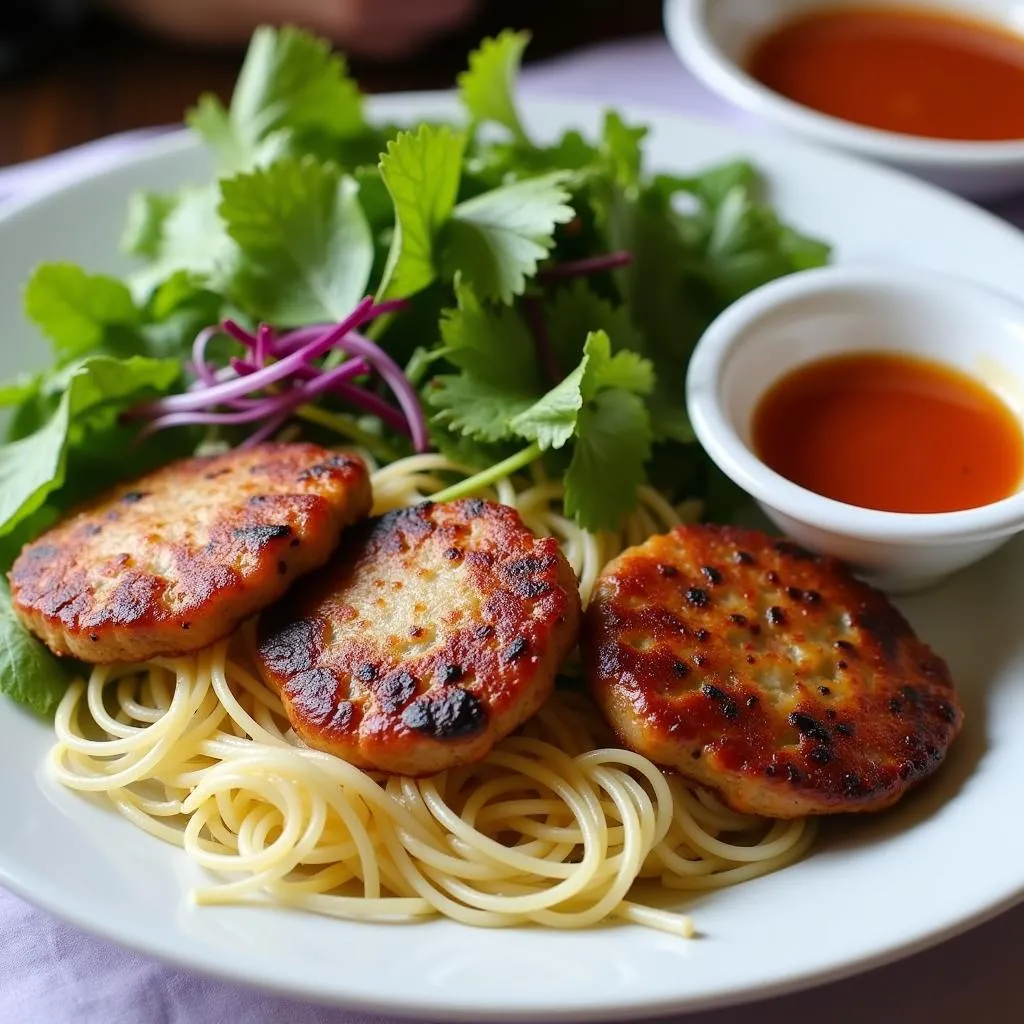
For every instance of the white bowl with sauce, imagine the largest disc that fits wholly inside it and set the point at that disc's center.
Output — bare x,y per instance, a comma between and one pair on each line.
841,311
715,39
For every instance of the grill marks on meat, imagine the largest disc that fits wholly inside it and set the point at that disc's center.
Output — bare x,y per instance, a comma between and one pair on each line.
789,686
434,632
173,562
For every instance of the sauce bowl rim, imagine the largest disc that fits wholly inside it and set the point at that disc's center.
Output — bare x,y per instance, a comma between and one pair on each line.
721,440
687,28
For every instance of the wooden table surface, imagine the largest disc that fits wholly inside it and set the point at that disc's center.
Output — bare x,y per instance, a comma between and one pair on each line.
108,78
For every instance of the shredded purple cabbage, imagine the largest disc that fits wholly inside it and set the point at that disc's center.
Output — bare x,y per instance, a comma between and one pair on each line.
281,373
586,267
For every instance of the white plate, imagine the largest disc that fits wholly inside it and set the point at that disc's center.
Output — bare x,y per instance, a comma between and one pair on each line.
872,890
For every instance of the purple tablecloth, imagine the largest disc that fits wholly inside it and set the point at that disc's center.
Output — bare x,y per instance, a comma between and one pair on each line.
53,974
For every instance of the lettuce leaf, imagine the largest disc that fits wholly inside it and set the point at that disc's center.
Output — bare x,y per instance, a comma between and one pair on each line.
29,673
34,467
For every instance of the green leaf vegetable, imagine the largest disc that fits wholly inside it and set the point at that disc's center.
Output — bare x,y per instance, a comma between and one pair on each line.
422,171
553,291
290,82
304,242
487,88
29,673
75,309
499,238
34,467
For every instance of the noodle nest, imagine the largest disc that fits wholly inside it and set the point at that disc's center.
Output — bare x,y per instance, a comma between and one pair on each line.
557,826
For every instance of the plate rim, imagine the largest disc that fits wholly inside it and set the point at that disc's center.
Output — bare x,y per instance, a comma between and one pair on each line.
178,143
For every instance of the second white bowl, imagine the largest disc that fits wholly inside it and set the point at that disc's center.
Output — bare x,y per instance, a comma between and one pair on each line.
713,38
841,310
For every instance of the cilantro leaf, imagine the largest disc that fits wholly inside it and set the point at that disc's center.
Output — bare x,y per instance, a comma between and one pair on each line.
74,309
622,150
232,151
553,420
498,238
626,370
612,445
714,184
29,673
500,162
144,227
190,237
491,345
33,467
748,246
19,389
422,172
575,310
211,121
292,79
475,408
305,245
803,251
289,80
487,88
495,351
600,408
669,419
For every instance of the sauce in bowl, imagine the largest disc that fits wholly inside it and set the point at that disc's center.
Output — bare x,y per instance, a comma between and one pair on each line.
910,70
890,432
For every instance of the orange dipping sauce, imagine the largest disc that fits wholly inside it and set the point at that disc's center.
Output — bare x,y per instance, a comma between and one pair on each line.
911,70
890,432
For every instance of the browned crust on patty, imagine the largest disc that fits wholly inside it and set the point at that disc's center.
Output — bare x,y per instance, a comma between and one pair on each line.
435,631
174,561
769,674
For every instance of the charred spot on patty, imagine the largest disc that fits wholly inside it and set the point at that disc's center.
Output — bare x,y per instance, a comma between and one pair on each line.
787,716
445,655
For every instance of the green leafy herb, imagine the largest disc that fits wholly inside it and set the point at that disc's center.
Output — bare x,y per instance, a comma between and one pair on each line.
497,239
144,227
74,309
306,246
289,81
34,467
490,344
185,235
20,389
29,673
477,410
496,354
553,293
577,309
621,147
613,444
600,409
487,88
422,172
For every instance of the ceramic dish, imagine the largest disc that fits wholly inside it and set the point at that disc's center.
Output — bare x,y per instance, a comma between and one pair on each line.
871,890
840,311
713,37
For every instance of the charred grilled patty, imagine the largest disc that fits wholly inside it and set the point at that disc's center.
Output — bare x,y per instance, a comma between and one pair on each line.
766,673
433,633
174,561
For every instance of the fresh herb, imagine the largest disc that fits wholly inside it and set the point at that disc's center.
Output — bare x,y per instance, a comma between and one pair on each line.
91,393
305,249
29,673
551,292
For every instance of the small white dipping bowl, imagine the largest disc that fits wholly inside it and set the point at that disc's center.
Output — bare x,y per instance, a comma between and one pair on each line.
714,37
835,311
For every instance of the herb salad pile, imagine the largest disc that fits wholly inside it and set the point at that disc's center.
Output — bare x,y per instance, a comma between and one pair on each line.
459,286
